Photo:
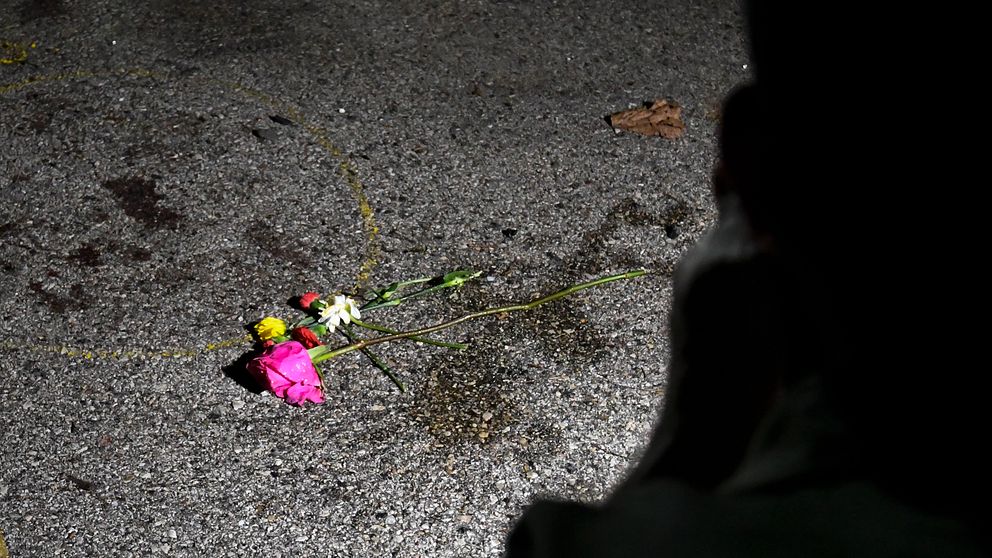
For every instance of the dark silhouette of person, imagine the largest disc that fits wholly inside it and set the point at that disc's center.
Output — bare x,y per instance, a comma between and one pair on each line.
821,399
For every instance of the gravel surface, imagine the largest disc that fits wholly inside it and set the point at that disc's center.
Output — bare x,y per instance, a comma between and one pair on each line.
173,171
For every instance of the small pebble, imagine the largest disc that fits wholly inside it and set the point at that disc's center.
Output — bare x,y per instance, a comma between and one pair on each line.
238,404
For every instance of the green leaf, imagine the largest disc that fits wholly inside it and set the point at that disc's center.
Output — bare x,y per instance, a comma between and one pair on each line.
435,284
456,278
320,375
317,352
304,322
389,291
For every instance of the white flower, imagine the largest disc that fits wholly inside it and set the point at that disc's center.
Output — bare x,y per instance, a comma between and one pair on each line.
343,310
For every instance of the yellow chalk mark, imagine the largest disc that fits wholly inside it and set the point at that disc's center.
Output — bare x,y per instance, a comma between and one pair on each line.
345,168
119,354
373,247
14,53
233,342
43,79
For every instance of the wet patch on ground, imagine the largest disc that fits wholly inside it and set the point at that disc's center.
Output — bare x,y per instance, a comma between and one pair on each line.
137,197
462,400
31,10
561,330
482,394
9,229
566,336
103,251
596,256
75,299
86,255
265,237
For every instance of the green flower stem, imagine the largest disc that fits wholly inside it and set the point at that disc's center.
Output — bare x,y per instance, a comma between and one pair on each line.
304,322
320,376
346,330
326,353
387,293
452,279
379,328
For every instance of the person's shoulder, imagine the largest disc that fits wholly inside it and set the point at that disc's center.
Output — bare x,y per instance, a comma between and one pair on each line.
670,519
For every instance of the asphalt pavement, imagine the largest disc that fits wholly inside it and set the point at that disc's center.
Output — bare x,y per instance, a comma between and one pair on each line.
172,171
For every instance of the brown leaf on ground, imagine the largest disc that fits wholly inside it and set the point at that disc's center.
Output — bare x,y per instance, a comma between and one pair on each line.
659,118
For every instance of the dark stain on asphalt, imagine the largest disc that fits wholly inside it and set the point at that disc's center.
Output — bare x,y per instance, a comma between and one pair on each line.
474,395
464,400
595,255
39,121
261,234
564,334
265,134
80,483
561,330
42,110
94,254
101,251
59,304
137,254
137,197
31,10
87,255
471,396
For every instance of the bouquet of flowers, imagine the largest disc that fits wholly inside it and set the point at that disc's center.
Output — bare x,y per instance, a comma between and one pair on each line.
288,354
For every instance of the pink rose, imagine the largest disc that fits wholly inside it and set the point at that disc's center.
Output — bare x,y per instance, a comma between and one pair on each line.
286,370
305,337
306,299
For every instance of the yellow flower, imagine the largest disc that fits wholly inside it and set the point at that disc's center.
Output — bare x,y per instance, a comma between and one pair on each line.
269,328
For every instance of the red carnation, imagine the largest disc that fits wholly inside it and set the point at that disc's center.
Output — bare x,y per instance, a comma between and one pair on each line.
306,299
305,337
